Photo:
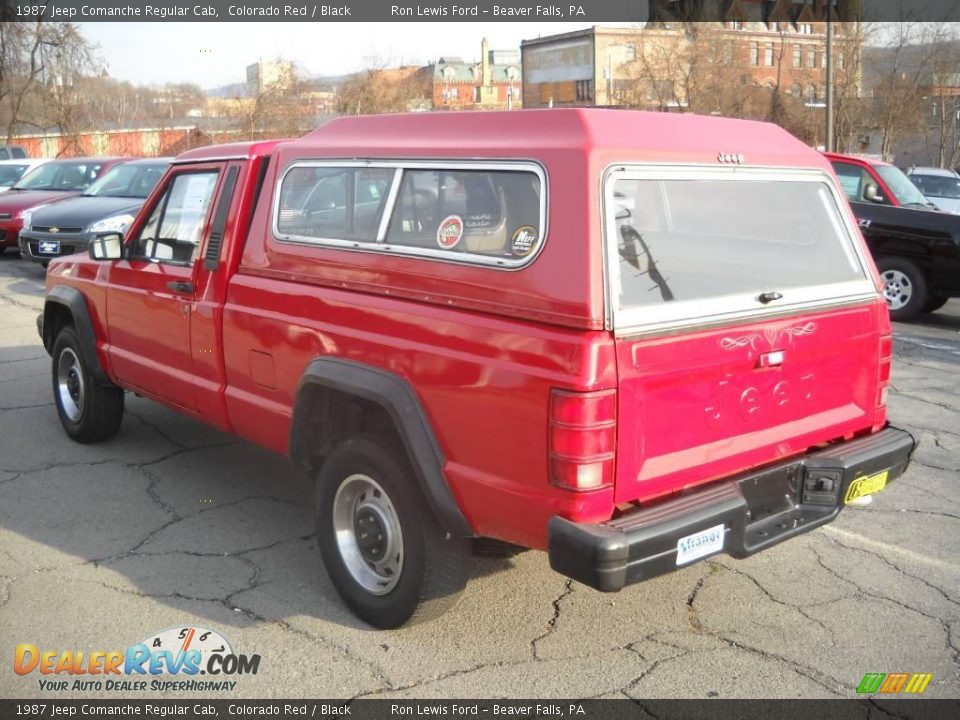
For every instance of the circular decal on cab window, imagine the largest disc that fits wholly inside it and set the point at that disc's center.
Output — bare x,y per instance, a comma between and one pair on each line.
524,240
450,232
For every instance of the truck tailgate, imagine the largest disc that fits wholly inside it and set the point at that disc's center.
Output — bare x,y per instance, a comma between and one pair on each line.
698,406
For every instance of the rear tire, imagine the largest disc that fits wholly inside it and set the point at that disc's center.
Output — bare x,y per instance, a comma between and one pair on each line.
934,303
904,288
89,412
387,557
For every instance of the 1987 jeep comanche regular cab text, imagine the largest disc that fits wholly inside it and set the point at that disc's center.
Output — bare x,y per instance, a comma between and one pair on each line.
633,340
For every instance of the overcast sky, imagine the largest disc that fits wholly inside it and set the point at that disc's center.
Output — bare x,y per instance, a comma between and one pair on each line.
213,54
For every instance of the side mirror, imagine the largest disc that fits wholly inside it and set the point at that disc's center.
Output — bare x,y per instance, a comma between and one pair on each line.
106,247
871,193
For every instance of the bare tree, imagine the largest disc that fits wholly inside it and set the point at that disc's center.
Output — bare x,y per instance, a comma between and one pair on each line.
40,66
915,54
20,68
382,90
281,107
944,76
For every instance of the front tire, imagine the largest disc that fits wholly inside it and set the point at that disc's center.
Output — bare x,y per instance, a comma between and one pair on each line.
934,303
904,288
385,554
89,412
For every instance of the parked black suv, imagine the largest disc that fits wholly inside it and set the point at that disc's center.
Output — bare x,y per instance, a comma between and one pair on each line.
916,247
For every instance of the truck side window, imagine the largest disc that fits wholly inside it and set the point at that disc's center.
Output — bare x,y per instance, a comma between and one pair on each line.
479,212
174,229
340,203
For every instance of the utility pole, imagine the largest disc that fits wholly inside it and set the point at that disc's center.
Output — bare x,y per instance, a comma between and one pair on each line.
828,135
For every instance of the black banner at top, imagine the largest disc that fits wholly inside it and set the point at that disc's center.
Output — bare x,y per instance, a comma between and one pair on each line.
585,11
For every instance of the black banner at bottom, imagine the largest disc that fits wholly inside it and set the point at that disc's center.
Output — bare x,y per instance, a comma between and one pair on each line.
625,709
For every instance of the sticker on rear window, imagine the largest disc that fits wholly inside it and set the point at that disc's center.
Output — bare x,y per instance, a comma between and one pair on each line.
450,232
699,545
524,240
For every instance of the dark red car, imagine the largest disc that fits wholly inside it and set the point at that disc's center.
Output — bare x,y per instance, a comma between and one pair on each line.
634,340
50,182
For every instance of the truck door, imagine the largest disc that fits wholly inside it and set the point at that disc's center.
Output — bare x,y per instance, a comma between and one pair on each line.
151,293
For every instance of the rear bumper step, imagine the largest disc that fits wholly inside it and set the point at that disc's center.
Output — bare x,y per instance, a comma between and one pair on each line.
757,510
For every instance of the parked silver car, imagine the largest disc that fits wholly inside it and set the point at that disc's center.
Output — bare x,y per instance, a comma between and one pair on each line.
939,186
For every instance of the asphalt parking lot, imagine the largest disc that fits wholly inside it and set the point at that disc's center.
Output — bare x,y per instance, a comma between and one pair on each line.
172,524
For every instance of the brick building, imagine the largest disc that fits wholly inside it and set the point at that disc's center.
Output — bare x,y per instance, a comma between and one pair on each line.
755,43
494,82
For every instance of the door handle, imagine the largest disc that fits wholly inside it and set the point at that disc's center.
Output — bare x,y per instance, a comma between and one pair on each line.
180,286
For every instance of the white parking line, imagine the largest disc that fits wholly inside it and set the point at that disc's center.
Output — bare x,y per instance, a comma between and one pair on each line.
894,549
953,349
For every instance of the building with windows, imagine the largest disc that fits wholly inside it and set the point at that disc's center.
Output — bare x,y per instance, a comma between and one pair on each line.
494,82
267,73
779,44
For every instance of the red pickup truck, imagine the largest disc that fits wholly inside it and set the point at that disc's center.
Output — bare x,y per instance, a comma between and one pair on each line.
632,340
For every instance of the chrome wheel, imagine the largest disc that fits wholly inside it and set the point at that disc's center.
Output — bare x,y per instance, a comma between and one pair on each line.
70,384
368,534
897,289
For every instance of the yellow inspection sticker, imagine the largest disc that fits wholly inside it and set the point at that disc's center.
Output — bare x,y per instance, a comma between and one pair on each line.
868,485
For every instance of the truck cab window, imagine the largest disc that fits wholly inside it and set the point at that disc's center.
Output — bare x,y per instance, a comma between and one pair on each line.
174,229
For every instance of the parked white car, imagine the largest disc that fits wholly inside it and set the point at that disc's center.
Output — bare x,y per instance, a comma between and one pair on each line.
13,170
939,186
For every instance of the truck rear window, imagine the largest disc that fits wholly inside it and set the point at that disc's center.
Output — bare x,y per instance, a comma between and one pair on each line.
706,243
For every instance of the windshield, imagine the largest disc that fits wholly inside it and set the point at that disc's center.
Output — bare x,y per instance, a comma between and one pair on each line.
903,190
128,180
938,186
725,240
60,176
9,174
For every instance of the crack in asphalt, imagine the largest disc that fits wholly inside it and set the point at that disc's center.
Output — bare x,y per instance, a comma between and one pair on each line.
862,591
692,616
698,627
794,606
917,398
897,511
21,378
21,305
15,476
25,407
6,581
928,491
135,550
886,561
27,359
921,463
552,622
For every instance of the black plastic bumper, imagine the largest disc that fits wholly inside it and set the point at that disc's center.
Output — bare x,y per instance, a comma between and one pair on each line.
757,510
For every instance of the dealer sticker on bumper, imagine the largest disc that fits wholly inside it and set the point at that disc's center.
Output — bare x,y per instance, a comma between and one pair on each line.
867,485
699,545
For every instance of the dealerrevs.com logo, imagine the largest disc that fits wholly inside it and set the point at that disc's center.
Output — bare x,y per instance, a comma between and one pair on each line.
183,653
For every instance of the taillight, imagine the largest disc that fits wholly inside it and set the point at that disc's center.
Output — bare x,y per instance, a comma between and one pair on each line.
582,439
883,378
